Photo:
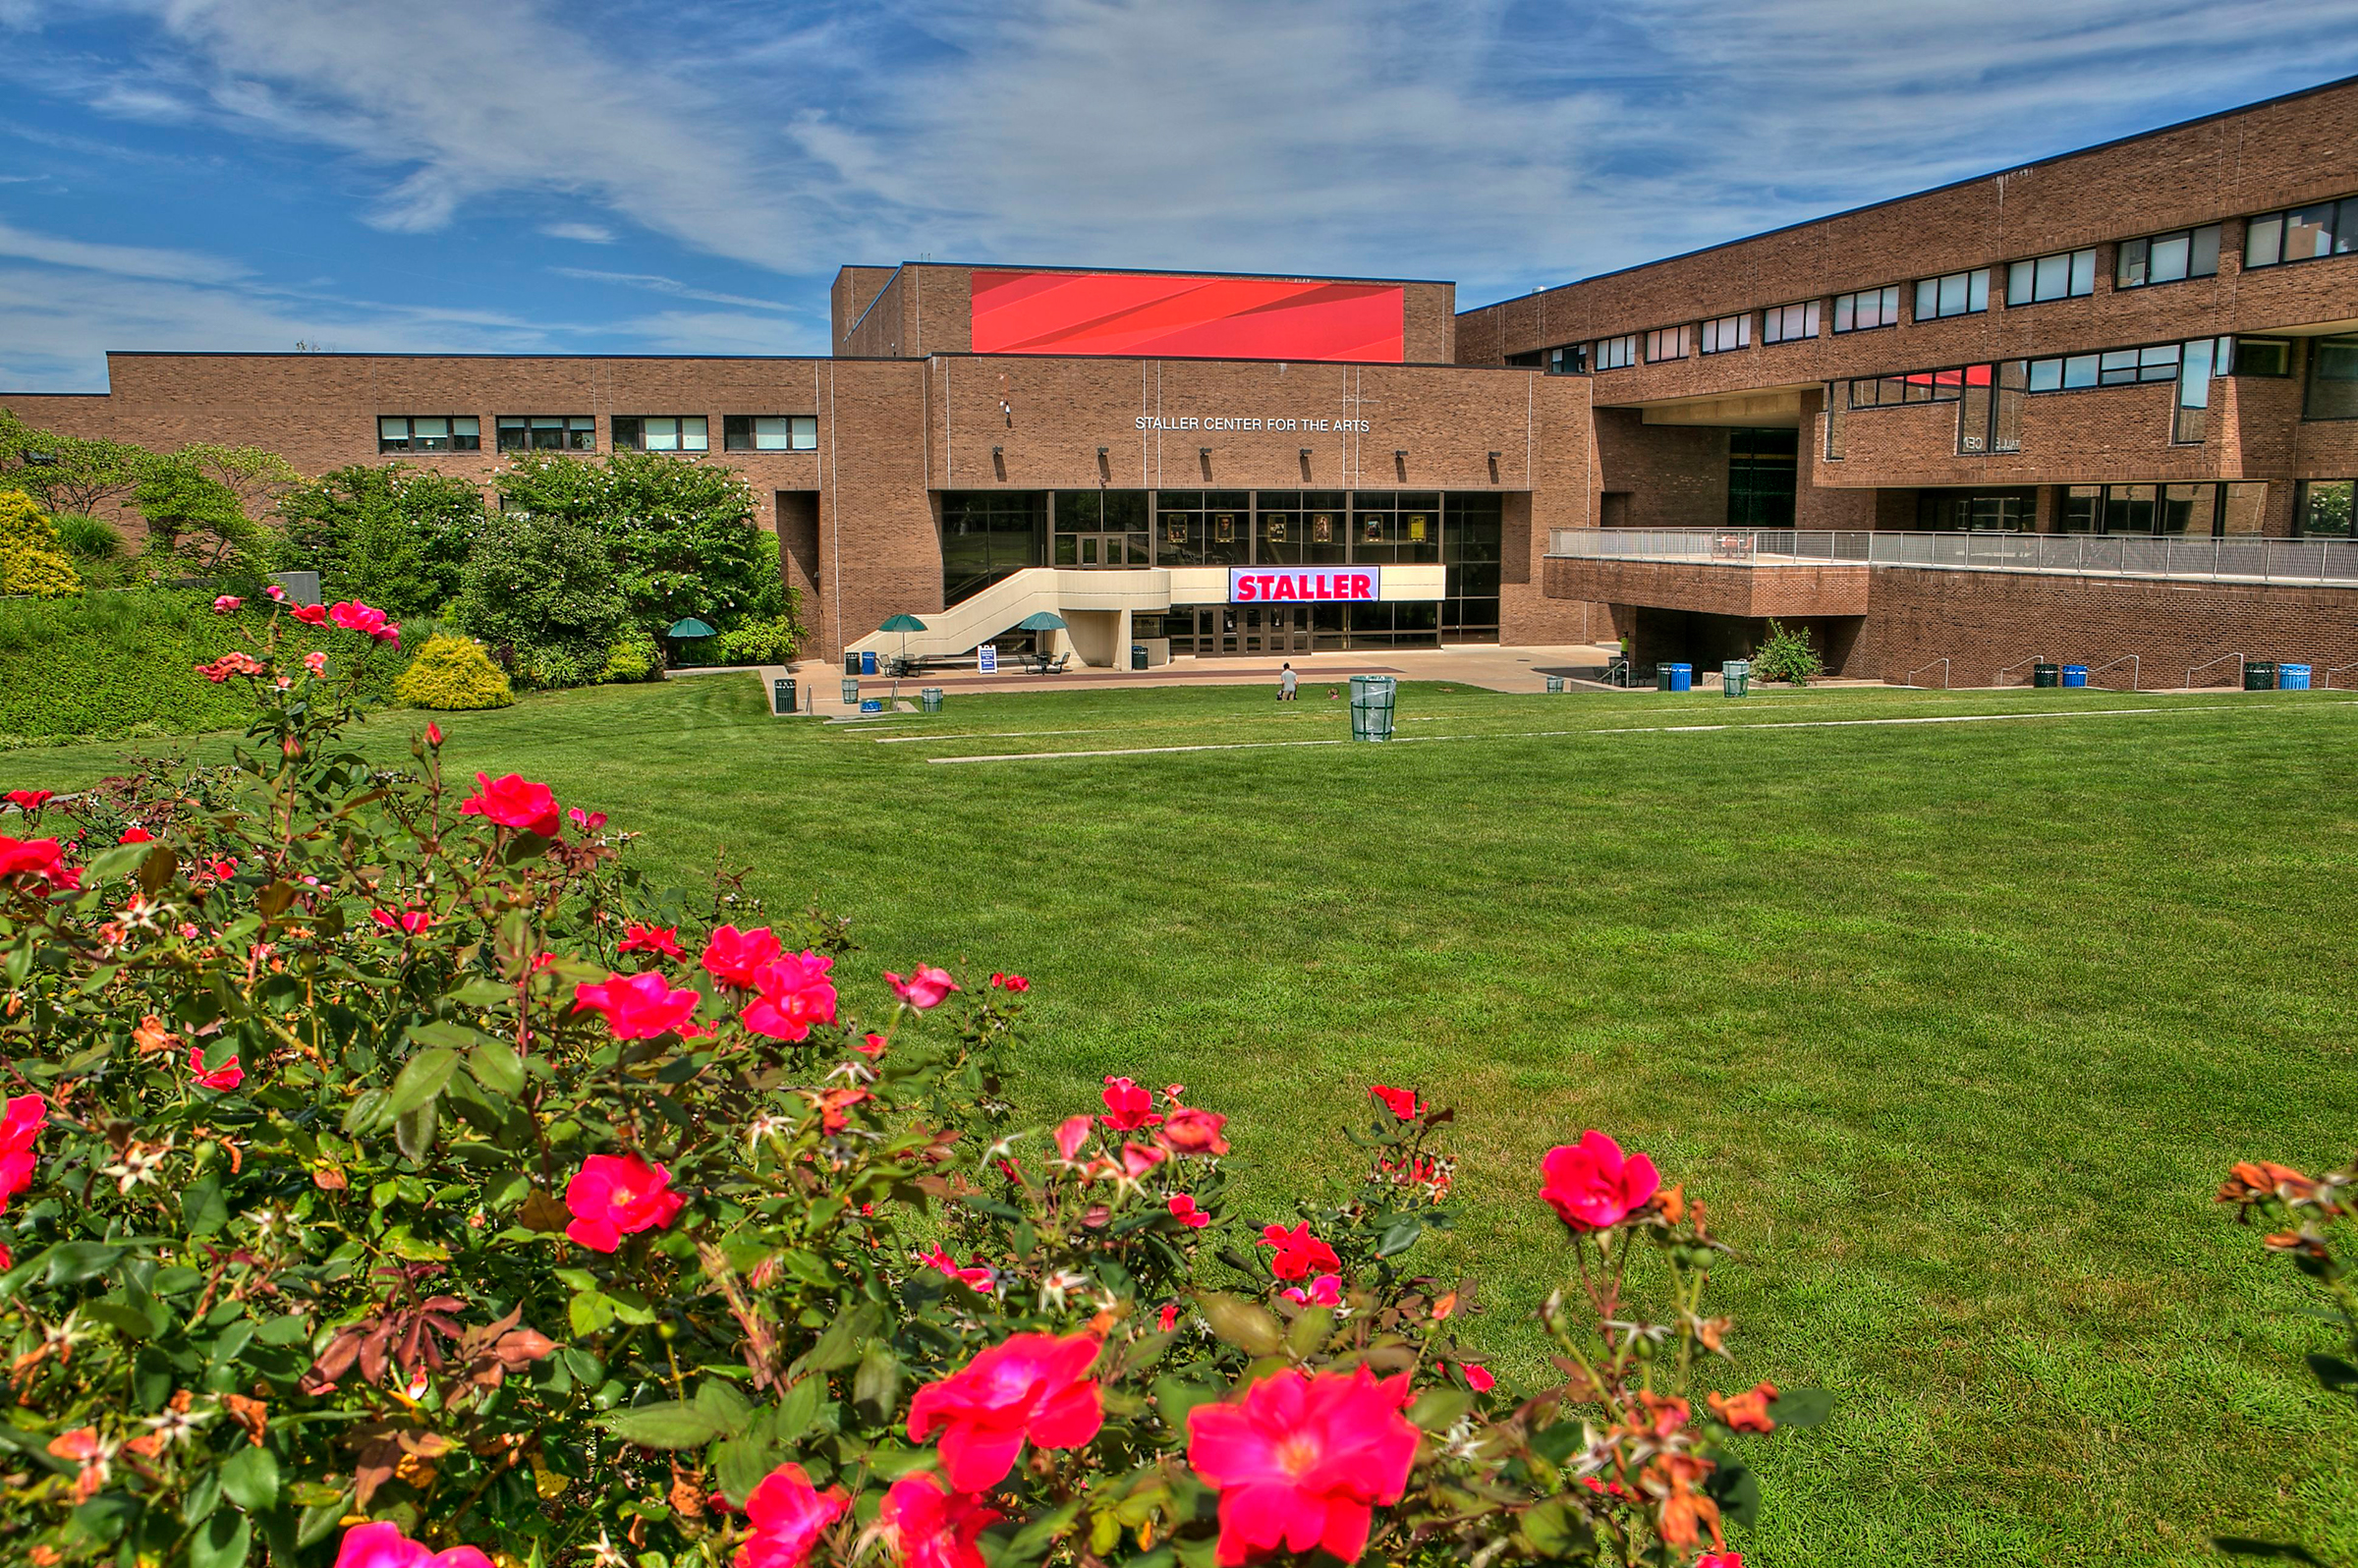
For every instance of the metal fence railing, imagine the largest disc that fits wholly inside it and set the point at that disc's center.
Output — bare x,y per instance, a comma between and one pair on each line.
2246,560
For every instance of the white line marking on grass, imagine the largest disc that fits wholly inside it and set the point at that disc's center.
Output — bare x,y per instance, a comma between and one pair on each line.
985,735
1656,729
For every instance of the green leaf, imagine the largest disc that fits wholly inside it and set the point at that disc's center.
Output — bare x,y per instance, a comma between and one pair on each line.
589,1313
724,1407
669,1423
443,1035
251,1478
422,1079
1175,1396
1802,1407
1440,1409
1250,1327
201,1209
878,1380
414,1131
70,1262
797,1410
1737,1490
480,992
223,1542
1033,1539
367,1107
1556,1443
1400,1235
1556,1528
840,1345
497,1067
740,1465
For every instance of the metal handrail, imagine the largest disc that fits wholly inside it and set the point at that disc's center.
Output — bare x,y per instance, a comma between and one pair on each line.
2327,683
1912,674
2221,659
2130,659
2241,558
2035,661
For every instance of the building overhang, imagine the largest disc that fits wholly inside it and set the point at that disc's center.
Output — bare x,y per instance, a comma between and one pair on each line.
1766,408
1753,592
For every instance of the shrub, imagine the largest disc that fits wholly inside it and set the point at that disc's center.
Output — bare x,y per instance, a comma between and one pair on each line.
30,561
541,588
770,641
635,657
451,673
86,537
396,536
1788,656
387,1169
67,473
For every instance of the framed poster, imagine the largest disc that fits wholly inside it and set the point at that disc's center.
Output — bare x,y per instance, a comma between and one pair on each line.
1273,526
1174,527
1224,527
1371,528
1321,528
1416,527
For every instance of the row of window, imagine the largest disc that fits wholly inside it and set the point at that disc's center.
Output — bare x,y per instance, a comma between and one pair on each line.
2205,507
577,432
2298,234
2155,361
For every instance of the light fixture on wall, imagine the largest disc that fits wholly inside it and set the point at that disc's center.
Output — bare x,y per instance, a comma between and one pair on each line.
1494,468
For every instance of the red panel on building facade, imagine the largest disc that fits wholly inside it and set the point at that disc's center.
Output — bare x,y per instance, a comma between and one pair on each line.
1145,314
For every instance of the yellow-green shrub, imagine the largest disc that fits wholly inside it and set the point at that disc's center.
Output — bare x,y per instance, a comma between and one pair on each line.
634,658
452,673
30,558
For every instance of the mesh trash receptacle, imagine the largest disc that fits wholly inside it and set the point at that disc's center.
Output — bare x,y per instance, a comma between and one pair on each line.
2292,677
929,697
2075,675
1555,683
2258,675
1735,678
851,694
781,696
1371,707
2043,675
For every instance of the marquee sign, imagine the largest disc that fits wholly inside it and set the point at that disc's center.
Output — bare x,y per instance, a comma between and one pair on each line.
1159,313
1302,585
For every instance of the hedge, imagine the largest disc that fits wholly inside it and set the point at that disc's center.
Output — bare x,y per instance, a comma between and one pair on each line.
115,666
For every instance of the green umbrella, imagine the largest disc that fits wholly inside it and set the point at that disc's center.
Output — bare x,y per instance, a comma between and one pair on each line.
903,624
690,627
1041,620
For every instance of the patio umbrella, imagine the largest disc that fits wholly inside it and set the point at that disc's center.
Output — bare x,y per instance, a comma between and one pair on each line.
684,630
1041,620
903,624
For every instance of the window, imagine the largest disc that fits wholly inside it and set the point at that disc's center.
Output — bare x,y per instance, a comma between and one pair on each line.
1868,307
2200,509
2166,258
547,432
2262,357
2065,275
770,432
2324,508
1616,354
2157,362
659,433
1570,360
1959,511
1665,343
1917,386
2332,379
1784,324
1727,332
2302,233
1952,293
440,432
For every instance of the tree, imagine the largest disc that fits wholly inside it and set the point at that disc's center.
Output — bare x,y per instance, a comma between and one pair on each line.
1788,656
182,502
395,537
681,533
67,473
541,587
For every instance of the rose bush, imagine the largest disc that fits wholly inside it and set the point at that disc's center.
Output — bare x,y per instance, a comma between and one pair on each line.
389,1177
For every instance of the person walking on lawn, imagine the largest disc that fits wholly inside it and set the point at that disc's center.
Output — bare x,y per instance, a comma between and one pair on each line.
1286,681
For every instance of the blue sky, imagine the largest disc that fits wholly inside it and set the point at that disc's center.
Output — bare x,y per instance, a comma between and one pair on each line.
609,176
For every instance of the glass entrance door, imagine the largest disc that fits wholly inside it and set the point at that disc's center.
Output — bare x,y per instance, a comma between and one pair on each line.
1104,549
1275,629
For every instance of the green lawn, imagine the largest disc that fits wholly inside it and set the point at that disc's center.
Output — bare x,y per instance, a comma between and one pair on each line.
1955,1025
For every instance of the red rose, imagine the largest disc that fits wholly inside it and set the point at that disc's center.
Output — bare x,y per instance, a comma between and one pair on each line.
1301,1462
733,956
931,1528
1189,1131
1298,1253
1128,1106
1592,1187
638,939
1401,1103
791,995
636,1006
1032,1386
513,802
613,1196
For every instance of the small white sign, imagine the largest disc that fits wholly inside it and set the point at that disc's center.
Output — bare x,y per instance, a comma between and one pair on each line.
986,660
1304,585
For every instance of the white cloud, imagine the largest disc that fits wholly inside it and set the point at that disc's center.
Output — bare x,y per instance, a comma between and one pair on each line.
586,233
655,284
123,261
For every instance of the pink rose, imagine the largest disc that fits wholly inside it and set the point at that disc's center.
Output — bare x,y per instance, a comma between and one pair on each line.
587,821
1031,1386
353,616
1298,1253
41,858
1189,1131
225,603
1324,1291
381,1545
20,1125
636,1006
1591,1186
30,801
410,922
732,957
1478,1378
513,802
135,834
1301,1462
1128,1107
1071,1134
923,989
613,1196
787,1515
1183,1208
790,995
316,663
229,1075
929,1527
310,614
279,594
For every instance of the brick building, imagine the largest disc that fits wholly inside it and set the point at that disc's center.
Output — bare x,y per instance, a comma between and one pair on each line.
2101,408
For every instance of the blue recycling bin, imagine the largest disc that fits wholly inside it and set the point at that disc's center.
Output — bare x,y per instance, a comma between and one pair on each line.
867,661
2075,675
871,704
1682,677
2292,677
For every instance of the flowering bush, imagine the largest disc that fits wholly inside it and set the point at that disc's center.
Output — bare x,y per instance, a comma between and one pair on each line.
389,1179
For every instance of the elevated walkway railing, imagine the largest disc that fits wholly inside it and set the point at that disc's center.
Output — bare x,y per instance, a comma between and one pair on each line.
2325,562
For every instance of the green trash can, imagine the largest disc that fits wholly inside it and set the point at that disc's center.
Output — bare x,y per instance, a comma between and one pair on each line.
851,694
1735,678
1138,655
929,697
2259,676
781,695
2047,675
1555,683
1661,677
1371,707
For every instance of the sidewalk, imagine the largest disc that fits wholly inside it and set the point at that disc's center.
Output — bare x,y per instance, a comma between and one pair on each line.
1486,666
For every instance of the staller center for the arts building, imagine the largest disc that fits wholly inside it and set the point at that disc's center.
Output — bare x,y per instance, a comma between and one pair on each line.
2098,407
